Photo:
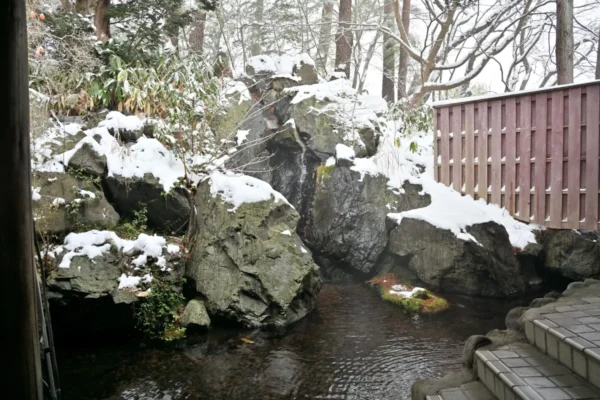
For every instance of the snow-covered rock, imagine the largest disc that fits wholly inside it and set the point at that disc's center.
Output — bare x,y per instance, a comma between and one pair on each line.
98,264
241,264
63,203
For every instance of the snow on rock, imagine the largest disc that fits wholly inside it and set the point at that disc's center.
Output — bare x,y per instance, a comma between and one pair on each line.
278,64
344,152
35,193
147,155
232,88
237,189
287,232
353,110
95,243
241,136
116,120
404,291
448,209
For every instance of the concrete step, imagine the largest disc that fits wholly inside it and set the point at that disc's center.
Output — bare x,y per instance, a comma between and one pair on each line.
468,391
571,335
520,371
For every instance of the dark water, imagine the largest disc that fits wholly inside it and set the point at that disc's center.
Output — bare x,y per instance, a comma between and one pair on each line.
352,346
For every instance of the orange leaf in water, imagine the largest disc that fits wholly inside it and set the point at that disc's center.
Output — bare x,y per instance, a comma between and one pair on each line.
246,340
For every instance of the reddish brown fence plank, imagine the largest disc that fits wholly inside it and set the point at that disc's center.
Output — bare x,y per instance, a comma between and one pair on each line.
482,134
445,145
537,153
456,147
511,150
556,165
469,149
574,156
496,181
592,154
539,180
525,160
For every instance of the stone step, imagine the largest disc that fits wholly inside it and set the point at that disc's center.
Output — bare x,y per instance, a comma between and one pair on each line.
520,371
468,391
571,335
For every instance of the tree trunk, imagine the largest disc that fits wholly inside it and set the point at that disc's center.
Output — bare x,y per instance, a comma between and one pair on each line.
389,55
102,21
197,33
65,5
403,59
598,59
22,376
257,28
82,7
324,35
564,41
344,39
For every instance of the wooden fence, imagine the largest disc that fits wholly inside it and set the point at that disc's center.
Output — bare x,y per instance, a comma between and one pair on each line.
534,153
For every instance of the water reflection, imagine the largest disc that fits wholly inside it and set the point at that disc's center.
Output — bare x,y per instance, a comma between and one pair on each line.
353,346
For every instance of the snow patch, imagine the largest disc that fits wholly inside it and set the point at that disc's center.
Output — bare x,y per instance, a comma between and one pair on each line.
237,189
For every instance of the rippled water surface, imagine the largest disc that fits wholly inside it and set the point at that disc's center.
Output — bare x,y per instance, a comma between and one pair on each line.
352,346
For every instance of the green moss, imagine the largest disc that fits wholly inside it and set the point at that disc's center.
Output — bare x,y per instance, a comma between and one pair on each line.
430,305
158,314
323,172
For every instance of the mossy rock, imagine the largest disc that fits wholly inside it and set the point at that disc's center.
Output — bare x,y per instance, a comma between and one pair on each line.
421,301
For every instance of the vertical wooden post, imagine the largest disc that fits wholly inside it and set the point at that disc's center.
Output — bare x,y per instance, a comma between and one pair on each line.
21,358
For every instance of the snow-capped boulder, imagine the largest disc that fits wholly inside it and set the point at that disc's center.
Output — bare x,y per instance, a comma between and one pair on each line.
88,160
127,129
483,266
571,254
247,262
62,203
166,211
346,227
98,264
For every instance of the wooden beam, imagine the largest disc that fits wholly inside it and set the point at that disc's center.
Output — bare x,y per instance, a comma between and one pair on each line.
21,358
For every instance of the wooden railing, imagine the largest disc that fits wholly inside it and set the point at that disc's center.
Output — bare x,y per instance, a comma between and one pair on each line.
534,153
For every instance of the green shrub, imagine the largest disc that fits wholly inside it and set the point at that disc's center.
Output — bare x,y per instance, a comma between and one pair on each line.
138,224
157,315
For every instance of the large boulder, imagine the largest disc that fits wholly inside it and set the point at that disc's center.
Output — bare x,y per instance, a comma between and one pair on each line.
127,128
87,160
485,267
64,203
347,221
165,211
571,254
98,264
247,261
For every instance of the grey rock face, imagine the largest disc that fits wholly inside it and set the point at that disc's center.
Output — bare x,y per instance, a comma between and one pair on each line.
88,160
572,254
347,221
249,265
195,315
63,206
444,262
169,212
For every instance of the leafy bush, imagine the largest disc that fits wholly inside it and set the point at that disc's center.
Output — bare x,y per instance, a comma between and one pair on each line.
132,229
158,314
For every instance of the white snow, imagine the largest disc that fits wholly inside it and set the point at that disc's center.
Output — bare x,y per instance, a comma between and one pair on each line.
241,136
448,209
87,193
173,248
237,189
118,121
57,201
350,109
344,152
287,232
35,193
279,64
94,243
129,281
404,291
